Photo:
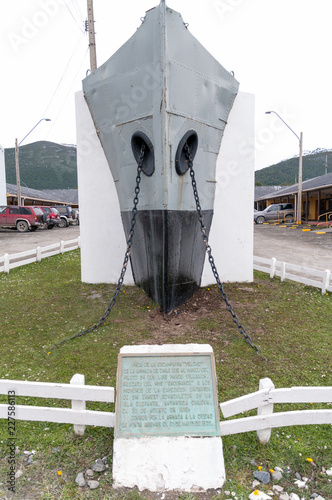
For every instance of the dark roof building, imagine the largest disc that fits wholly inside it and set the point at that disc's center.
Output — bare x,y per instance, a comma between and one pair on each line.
46,197
316,196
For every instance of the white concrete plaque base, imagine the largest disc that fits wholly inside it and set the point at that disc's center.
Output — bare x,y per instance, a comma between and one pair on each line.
168,463
164,463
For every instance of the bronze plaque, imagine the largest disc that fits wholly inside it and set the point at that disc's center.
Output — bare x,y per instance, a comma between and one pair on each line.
166,395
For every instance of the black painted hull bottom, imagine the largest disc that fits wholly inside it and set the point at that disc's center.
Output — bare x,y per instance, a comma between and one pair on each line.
168,254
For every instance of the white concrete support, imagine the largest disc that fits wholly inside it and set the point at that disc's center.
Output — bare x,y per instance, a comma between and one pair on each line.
102,236
3,191
103,242
231,234
168,463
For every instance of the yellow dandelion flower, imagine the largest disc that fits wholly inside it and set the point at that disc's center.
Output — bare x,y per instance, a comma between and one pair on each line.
256,492
271,470
259,467
59,473
309,460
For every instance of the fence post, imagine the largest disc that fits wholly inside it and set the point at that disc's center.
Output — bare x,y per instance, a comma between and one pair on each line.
79,241
326,280
264,434
39,256
273,267
76,404
6,263
283,271
62,246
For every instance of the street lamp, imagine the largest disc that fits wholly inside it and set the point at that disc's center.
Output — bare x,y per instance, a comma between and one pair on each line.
300,139
18,181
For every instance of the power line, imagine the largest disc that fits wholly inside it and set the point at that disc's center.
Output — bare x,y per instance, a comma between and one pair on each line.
69,90
62,77
79,24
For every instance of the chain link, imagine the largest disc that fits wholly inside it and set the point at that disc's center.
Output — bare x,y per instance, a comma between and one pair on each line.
126,257
224,296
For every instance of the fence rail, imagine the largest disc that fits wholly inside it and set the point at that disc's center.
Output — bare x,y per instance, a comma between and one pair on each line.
265,420
76,391
305,275
10,261
263,399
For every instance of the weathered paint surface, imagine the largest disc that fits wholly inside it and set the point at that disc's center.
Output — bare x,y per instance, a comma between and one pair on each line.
162,84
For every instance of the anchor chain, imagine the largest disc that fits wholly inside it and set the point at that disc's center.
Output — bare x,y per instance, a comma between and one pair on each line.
224,296
126,257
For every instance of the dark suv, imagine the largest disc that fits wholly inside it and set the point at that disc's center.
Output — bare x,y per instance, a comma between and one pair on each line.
277,212
66,215
23,218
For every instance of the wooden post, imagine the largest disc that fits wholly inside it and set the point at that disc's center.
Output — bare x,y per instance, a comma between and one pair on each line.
92,41
18,179
273,267
76,404
299,195
39,256
283,271
6,263
326,281
264,434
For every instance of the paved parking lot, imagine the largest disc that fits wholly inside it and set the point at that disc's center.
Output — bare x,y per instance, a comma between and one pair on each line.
11,241
294,245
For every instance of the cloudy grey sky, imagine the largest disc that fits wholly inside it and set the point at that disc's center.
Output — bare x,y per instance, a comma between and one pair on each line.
279,51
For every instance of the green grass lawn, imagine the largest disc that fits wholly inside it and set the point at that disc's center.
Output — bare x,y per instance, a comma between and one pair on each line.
46,302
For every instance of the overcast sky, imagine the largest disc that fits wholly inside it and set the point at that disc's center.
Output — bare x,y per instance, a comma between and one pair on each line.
279,51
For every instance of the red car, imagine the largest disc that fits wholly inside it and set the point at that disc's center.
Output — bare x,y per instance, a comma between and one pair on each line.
51,217
21,218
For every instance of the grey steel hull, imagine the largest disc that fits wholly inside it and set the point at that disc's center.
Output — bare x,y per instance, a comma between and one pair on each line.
162,88
167,254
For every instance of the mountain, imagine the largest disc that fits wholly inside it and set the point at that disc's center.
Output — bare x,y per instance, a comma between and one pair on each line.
287,172
43,165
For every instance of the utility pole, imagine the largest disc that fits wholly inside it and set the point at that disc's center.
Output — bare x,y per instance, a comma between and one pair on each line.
17,161
299,194
18,179
92,41
326,164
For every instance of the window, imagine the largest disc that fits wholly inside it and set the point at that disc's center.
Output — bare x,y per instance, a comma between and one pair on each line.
14,210
25,210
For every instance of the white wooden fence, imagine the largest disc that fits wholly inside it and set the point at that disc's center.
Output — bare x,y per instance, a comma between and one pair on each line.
305,275
265,420
10,261
78,393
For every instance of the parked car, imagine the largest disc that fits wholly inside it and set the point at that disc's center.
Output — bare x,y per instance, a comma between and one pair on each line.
76,215
51,217
21,218
66,215
283,212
